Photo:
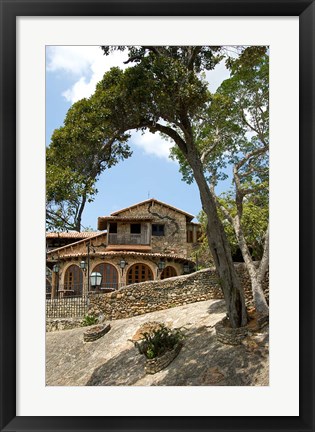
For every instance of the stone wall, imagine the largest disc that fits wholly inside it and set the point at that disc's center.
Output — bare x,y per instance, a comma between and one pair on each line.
150,296
145,297
56,324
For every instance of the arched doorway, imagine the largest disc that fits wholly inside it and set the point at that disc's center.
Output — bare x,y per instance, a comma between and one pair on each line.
73,282
109,276
168,272
139,273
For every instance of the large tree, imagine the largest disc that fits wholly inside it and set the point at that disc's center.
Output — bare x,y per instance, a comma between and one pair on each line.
164,92
248,92
79,152
234,133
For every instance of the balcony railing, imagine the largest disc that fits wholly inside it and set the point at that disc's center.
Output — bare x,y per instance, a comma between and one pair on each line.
128,239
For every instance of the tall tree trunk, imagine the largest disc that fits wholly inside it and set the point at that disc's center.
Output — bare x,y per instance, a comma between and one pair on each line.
220,249
78,218
254,273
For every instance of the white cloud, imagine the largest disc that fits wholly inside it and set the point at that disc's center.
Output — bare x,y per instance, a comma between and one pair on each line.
85,64
216,76
75,60
80,89
153,144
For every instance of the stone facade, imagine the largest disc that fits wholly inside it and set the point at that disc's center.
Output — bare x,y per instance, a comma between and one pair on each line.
174,240
143,235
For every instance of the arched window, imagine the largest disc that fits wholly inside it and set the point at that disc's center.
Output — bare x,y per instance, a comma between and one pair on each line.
168,272
73,282
139,273
109,276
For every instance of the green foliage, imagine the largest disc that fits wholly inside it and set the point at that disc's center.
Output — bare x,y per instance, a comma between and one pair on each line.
79,152
157,88
89,320
196,58
255,217
160,340
235,121
234,132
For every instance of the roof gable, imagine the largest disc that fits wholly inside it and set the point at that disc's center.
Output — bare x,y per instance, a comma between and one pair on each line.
153,200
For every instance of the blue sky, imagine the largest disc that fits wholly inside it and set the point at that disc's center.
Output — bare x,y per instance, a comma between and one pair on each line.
71,74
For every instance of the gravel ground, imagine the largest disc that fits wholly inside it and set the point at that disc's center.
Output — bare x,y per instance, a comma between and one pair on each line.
113,360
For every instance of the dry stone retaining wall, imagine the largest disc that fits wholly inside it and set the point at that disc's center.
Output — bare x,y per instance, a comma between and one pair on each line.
56,324
141,298
147,297
151,296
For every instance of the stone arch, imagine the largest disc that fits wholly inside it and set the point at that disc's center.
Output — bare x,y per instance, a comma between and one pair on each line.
72,281
139,272
168,271
109,276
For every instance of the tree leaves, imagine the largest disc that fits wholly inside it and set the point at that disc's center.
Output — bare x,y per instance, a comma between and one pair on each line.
79,152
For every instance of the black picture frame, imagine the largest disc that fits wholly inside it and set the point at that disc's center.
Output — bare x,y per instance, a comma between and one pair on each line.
10,9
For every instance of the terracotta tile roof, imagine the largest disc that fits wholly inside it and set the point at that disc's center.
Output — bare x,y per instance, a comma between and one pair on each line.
122,218
71,234
112,247
127,253
71,245
155,201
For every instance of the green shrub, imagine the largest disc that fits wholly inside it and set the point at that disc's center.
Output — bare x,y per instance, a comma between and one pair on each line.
157,342
89,320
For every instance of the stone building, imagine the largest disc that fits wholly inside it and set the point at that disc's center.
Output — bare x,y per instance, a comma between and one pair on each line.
147,241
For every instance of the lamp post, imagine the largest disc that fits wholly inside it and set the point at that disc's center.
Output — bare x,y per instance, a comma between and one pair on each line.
86,266
122,264
161,266
95,279
186,268
55,280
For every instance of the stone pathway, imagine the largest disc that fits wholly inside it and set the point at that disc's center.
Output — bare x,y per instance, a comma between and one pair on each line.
113,360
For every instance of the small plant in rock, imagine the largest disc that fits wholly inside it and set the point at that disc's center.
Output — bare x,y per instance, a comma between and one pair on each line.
157,342
89,320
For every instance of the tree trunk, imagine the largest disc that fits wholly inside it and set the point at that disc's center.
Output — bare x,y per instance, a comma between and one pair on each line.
220,249
254,273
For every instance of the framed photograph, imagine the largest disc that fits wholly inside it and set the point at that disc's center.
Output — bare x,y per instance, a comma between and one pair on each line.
28,401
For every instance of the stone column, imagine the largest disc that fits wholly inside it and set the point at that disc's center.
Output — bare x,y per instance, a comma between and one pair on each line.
54,284
85,283
122,277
